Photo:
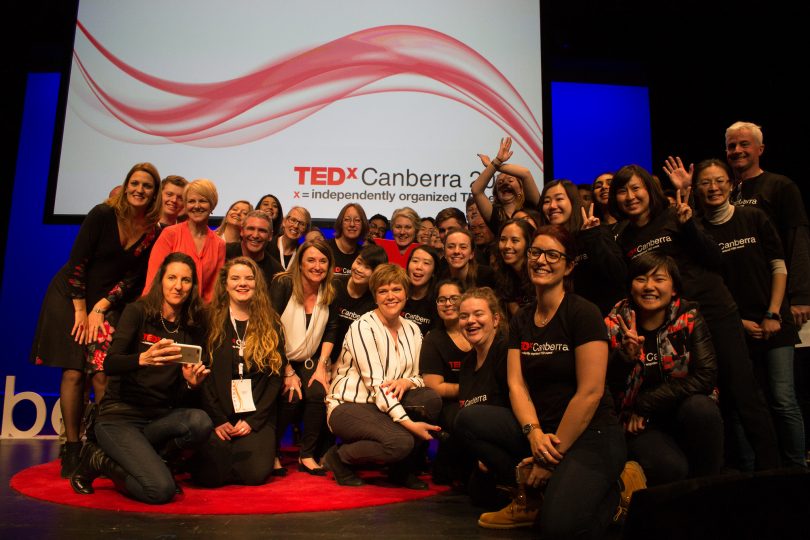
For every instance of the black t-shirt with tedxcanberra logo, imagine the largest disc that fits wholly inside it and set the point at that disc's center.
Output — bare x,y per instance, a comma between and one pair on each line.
548,361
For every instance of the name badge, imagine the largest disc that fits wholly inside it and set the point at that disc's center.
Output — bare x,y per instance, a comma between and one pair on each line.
242,396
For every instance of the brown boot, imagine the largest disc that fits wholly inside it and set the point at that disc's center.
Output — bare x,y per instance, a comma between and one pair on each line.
521,512
631,480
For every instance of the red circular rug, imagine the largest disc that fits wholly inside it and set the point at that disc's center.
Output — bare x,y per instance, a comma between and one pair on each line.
296,492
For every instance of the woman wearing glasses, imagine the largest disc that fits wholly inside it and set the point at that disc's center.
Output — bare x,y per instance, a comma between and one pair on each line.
754,270
295,225
556,369
351,228
440,361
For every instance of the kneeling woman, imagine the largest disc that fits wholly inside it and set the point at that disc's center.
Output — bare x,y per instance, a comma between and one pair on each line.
556,367
240,396
664,360
376,385
141,419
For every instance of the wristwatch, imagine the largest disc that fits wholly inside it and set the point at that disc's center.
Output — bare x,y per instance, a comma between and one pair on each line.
773,316
529,427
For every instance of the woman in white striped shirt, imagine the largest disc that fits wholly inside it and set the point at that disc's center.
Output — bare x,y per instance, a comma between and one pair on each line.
376,388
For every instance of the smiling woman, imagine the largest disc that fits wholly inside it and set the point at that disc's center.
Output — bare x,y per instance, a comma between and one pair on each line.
193,238
84,300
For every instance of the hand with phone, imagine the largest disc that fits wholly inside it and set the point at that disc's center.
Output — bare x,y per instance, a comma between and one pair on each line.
161,353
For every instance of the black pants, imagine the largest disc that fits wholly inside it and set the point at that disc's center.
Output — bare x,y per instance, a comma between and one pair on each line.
740,391
312,407
688,443
244,460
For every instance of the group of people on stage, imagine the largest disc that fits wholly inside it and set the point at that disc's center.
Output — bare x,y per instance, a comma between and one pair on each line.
533,333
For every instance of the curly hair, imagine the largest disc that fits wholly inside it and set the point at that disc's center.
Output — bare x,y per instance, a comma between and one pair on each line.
263,338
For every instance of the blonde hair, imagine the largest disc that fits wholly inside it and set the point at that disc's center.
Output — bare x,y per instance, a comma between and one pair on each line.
224,225
293,273
488,295
263,335
119,202
204,187
756,131
408,213
389,273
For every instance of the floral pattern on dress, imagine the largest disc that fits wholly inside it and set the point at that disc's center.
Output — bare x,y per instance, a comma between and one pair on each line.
97,351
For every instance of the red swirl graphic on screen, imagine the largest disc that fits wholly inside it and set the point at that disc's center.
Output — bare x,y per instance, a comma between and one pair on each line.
276,96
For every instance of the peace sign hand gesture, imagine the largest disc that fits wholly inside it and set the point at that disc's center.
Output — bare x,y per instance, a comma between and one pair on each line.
682,207
589,221
631,341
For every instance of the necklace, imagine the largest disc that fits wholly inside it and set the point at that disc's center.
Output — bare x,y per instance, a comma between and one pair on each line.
163,322
548,317
240,341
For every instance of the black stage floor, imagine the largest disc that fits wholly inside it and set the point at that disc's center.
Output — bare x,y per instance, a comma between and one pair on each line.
442,516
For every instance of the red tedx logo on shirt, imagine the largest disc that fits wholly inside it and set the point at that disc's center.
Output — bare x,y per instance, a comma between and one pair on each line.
525,346
325,176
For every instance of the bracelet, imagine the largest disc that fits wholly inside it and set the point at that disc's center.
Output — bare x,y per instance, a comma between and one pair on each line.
98,311
287,376
496,163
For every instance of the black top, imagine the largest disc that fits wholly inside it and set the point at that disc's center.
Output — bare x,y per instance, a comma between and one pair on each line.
422,312
780,198
484,276
280,294
347,309
265,385
600,273
548,361
343,261
99,267
487,385
696,254
144,388
440,355
268,265
749,243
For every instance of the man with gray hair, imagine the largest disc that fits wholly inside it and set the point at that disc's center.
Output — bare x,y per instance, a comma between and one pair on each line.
781,199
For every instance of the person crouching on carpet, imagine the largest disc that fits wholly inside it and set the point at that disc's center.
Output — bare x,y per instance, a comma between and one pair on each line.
376,387
245,345
142,422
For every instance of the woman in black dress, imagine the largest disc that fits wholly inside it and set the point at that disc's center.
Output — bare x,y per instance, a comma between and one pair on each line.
106,269
246,349
145,419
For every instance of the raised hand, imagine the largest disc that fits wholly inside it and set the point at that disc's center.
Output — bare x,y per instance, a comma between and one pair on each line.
678,175
682,208
589,221
504,152
631,341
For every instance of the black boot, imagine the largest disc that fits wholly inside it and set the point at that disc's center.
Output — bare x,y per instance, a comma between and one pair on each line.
70,459
93,463
344,476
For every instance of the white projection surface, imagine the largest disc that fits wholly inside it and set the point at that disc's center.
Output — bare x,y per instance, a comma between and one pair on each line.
321,103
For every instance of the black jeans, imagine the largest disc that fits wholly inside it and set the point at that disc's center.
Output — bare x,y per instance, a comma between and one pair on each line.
688,443
134,442
371,436
740,391
493,436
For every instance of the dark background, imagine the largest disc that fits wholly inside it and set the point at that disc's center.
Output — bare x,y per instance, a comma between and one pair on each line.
706,65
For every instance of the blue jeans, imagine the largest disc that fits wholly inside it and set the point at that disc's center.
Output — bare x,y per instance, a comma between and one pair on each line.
784,405
134,443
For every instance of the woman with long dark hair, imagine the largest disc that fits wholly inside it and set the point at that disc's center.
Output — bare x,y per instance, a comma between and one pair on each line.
512,277
420,307
84,300
144,419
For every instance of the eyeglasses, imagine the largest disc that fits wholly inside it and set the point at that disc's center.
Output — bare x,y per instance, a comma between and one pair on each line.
296,222
452,300
552,255
349,221
719,182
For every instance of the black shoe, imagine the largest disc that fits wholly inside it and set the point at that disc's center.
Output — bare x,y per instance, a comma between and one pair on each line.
281,471
93,463
344,476
317,471
409,480
70,458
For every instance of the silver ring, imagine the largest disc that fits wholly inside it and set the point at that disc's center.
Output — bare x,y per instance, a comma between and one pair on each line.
545,452
309,363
